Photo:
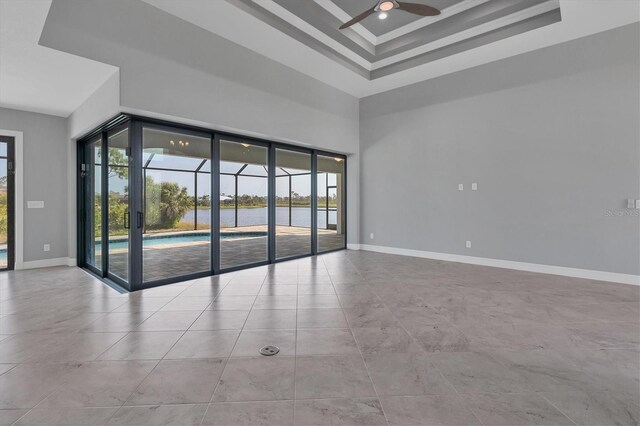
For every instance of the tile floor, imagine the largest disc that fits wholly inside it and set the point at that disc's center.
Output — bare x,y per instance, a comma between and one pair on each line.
365,339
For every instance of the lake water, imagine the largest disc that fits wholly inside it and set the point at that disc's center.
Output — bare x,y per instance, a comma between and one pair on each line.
300,216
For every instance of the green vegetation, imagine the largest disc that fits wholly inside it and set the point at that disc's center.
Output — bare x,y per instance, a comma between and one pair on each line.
166,203
4,221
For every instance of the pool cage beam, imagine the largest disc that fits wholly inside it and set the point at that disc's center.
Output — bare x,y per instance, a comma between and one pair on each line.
195,194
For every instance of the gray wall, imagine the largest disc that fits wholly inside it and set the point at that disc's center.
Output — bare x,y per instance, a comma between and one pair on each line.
552,139
201,77
45,179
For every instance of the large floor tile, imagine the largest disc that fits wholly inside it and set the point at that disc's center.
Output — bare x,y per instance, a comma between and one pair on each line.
117,322
251,341
139,345
143,304
432,410
99,384
332,377
26,385
576,370
515,409
276,302
406,374
345,411
204,344
440,337
220,320
183,381
329,341
473,372
516,336
152,415
385,340
321,318
271,318
9,417
169,321
234,303
68,416
182,303
56,347
257,379
250,414
317,301
597,408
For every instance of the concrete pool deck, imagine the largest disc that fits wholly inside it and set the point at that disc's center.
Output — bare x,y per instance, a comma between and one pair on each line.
171,260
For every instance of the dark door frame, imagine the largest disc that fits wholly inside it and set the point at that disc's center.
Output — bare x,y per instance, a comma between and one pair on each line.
136,124
11,202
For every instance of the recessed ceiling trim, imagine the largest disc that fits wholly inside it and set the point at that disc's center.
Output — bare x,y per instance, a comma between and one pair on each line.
343,16
452,50
470,33
448,12
428,20
312,31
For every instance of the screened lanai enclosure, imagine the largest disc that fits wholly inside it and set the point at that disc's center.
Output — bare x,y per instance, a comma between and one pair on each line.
183,202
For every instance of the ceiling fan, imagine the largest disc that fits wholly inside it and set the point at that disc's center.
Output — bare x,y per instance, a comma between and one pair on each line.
384,6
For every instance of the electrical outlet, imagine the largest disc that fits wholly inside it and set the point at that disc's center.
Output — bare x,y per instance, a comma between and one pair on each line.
474,186
468,244
47,247
371,235
631,203
460,187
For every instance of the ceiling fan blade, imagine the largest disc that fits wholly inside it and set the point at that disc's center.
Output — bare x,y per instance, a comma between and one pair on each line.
357,19
418,9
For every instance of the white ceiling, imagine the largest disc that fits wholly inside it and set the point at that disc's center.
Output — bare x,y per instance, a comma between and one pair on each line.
580,18
36,78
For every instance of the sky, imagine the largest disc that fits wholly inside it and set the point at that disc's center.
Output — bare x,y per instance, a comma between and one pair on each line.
246,185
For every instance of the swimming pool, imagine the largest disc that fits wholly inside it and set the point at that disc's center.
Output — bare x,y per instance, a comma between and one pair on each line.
158,240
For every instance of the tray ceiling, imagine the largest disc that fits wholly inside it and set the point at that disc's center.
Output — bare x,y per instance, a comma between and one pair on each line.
376,48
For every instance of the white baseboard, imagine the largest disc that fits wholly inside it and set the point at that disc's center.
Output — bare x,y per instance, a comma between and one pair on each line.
508,264
351,246
47,263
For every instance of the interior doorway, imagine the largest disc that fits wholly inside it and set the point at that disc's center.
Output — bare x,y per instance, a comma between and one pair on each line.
7,203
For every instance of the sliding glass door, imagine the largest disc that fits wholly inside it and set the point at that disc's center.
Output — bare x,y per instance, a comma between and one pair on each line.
244,216
92,173
117,198
293,203
330,192
7,194
176,180
160,203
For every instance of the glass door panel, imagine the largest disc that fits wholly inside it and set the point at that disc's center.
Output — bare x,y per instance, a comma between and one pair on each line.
293,203
93,202
243,204
119,217
176,176
331,211
6,203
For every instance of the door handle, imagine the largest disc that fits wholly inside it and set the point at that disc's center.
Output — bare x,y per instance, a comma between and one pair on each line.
140,217
127,220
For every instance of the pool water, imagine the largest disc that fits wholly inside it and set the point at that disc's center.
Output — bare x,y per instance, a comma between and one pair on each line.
153,240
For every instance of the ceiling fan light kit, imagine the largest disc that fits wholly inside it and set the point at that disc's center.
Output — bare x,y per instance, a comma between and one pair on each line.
384,6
